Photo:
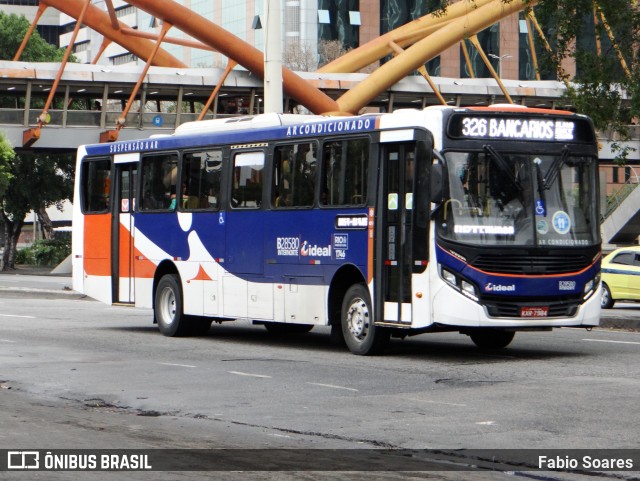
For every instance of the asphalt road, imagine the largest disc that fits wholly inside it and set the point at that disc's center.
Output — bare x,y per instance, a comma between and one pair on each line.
76,374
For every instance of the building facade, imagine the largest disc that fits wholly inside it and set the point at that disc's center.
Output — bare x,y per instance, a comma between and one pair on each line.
309,28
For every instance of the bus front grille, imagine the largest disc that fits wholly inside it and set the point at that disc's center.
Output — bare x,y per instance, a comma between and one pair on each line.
531,265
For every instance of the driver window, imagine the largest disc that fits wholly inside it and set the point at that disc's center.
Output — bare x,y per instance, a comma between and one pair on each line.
248,173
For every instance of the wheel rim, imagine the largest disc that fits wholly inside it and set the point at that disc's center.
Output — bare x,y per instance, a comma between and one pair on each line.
167,306
358,319
605,297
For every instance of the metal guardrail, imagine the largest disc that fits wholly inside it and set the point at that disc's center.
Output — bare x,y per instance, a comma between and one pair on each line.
614,200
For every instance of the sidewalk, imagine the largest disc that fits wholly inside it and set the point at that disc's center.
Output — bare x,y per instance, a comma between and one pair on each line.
38,281
24,270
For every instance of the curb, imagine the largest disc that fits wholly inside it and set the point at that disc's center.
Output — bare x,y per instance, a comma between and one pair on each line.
46,293
620,324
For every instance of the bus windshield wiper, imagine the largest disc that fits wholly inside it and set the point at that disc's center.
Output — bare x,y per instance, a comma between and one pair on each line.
540,179
554,169
503,165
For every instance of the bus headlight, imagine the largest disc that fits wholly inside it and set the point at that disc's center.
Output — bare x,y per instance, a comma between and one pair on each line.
591,286
469,290
450,277
462,285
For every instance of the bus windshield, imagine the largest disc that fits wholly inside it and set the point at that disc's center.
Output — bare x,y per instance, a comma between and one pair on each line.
518,199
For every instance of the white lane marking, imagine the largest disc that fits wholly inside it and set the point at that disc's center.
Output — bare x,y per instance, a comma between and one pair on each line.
332,386
435,402
173,364
486,423
239,373
15,315
7,340
612,342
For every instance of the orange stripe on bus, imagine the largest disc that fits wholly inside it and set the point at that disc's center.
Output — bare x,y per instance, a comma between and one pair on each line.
97,245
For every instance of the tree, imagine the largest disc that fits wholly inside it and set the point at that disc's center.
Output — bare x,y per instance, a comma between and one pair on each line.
580,30
330,50
28,181
39,181
13,29
300,57
6,156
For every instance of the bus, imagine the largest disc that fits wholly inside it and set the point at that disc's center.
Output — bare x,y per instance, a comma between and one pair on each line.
483,221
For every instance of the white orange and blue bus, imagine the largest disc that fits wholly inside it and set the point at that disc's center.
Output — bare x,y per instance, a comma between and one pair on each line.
477,220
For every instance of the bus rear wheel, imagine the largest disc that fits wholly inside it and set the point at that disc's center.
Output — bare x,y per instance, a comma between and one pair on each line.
168,307
492,338
360,335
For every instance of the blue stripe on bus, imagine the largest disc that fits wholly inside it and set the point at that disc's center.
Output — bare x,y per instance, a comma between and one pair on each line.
276,245
510,285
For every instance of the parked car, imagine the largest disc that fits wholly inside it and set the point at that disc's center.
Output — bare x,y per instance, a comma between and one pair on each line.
621,276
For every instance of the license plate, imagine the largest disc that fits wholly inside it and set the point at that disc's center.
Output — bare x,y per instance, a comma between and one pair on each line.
539,311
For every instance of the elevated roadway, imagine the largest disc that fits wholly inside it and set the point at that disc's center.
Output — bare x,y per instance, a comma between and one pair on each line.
172,96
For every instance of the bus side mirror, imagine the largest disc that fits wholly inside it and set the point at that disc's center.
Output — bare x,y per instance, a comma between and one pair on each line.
437,183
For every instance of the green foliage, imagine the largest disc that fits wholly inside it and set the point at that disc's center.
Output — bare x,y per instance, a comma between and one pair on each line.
39,180
45,253
601,88
7,155
13,29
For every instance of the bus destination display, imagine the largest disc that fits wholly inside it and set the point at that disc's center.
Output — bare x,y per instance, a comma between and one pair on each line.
519,128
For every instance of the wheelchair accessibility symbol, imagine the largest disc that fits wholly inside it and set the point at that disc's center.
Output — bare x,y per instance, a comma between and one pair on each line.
540,208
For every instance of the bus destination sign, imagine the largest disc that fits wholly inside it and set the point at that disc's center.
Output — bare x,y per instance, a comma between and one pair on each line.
519,128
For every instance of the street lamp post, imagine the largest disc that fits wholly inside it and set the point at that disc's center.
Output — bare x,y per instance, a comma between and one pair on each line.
500,58
272,57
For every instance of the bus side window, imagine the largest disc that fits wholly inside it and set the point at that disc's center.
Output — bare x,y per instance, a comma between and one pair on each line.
159,180
95,185
345,171
248,174
201,172
294,173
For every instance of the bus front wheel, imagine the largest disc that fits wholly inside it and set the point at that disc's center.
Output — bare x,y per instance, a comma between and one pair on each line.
168,307
360,335
492,338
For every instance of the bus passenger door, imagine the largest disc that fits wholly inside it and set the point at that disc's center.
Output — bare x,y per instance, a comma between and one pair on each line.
394,233
122,234
243,292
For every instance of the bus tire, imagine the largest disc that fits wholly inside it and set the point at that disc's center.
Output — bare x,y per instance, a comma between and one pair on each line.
283,329
606,302
492,338
168,307
360,335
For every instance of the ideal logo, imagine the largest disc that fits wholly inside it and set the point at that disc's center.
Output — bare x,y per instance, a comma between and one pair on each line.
314,250
491,287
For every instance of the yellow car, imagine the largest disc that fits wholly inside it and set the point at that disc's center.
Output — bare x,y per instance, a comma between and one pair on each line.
621,276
